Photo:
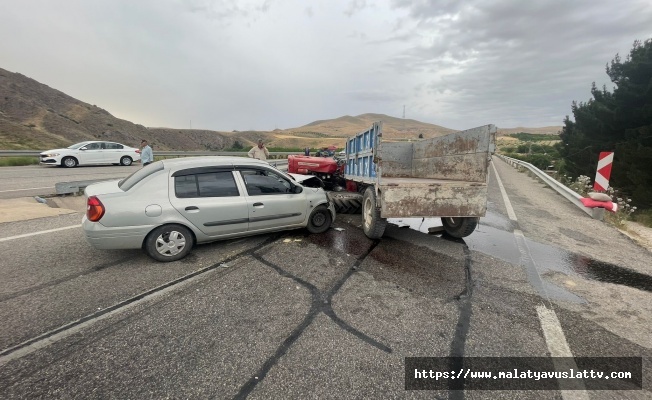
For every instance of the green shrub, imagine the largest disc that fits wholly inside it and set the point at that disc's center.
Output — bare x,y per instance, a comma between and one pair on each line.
644,217
17,161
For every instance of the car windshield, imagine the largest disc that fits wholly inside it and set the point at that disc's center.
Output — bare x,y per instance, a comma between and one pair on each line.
77,145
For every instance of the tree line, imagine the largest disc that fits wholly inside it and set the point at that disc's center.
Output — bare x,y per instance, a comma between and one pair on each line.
618,121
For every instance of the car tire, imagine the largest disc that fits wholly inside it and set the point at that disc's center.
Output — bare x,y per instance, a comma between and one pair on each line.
126,161
372,224
459,227
69,162
169,243
320,220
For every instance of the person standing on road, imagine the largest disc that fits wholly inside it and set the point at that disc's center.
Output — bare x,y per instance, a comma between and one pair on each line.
146,154
259,152
306,151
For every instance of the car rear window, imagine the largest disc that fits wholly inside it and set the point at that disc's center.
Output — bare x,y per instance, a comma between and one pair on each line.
213,184
129,182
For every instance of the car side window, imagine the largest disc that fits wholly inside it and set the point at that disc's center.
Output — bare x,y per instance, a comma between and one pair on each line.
93,146
213,184
263,182
113,146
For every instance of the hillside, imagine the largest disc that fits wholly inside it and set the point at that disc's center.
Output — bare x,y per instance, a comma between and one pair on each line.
35,116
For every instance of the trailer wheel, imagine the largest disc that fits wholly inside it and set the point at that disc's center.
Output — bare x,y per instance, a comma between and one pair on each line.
346,202
459,227
372,224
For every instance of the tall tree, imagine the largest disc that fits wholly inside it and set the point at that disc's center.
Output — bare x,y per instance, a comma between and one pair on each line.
620,121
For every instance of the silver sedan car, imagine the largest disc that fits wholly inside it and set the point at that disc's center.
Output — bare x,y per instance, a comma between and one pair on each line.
168,206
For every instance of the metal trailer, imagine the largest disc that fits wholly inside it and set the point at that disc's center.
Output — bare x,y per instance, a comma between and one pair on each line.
442,177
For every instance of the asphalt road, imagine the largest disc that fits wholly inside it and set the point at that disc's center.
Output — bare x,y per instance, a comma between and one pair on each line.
294,315
35,180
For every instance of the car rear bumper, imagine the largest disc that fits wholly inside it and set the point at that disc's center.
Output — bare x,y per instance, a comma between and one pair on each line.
124,237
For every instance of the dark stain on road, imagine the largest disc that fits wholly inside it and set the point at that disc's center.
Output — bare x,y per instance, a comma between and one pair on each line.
321,302
348,240
458,345
610,273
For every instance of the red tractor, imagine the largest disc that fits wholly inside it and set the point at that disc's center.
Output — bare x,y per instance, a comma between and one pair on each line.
330,172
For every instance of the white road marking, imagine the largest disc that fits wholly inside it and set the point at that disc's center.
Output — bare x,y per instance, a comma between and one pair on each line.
552,331
18,190
39,233
510,211
558,347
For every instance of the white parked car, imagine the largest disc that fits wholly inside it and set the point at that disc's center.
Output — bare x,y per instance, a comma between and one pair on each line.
91,153
168,206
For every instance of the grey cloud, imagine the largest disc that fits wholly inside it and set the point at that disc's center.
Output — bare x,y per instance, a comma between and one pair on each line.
517,59
226,9
355,6
379,95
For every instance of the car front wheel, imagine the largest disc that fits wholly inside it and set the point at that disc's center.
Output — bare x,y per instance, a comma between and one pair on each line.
169,243
126,161
69,162
320,220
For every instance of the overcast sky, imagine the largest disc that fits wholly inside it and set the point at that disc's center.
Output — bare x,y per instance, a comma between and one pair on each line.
269,64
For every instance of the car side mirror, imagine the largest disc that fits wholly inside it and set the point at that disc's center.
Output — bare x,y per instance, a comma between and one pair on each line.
83,148
297,189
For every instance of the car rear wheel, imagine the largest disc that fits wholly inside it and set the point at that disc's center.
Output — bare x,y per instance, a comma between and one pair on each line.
459,227
69,162
126,161
372,224
320,220
169,243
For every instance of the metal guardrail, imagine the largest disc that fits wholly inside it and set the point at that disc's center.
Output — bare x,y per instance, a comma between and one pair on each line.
273,154
595,213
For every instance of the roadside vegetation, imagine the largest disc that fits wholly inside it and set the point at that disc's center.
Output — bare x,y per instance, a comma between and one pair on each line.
17,161
618,121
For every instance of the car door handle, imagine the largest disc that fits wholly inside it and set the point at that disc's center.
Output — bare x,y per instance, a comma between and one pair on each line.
191,208
259,205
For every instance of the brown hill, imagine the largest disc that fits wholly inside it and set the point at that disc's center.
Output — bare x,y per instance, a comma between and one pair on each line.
35,116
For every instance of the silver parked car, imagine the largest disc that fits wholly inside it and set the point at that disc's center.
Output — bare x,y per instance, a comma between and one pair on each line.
170,205
91,153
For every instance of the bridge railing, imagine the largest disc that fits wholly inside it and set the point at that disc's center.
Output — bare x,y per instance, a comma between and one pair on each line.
570,195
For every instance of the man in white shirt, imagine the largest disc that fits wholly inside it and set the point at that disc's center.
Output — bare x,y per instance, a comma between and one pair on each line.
146,155
259,152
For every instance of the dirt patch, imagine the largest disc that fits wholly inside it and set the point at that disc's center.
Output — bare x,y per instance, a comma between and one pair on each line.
26,208
639,233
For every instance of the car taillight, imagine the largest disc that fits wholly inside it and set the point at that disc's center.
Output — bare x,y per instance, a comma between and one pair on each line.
94,209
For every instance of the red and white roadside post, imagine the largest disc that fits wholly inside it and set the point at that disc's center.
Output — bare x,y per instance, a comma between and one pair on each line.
601,184
605,161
